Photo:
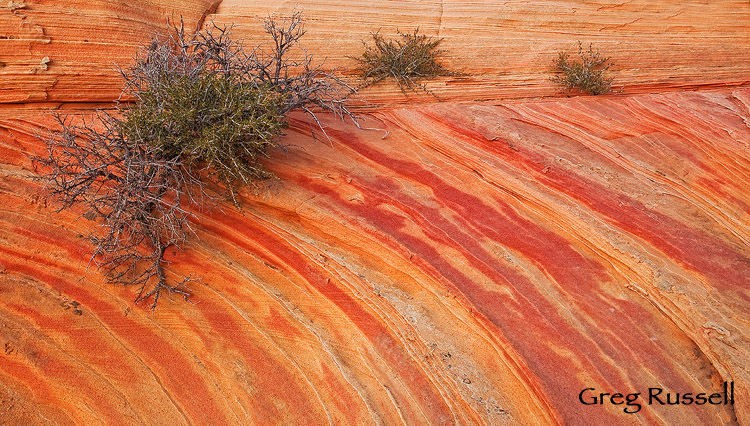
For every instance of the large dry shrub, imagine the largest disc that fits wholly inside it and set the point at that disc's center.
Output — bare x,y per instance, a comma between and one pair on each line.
198,113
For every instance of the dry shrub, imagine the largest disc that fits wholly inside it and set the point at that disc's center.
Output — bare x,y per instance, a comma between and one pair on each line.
204,115
587,75
408,59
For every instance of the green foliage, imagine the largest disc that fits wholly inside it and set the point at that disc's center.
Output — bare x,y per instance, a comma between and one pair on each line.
199,107
209,120
587,75
407,59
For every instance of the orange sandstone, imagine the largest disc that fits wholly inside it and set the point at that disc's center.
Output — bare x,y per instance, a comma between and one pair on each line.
482,264
507,48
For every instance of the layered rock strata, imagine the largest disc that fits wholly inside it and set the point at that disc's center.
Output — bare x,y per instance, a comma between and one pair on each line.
65,52
480,265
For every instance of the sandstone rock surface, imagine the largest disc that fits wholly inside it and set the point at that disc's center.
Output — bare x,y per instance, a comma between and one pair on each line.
482,264
505,47
83,42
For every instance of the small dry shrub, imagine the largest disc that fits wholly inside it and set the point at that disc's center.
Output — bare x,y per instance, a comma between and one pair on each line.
407,59
587,75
